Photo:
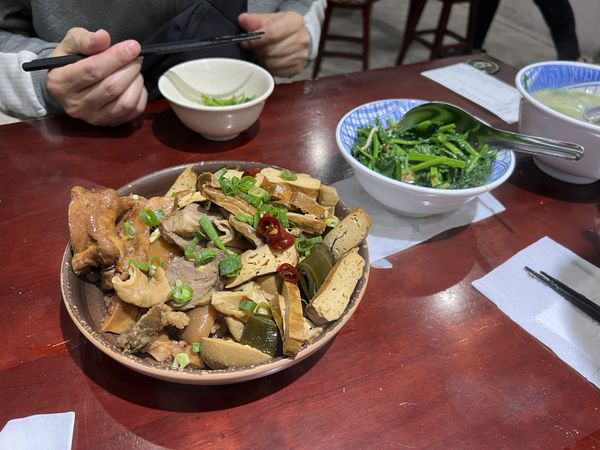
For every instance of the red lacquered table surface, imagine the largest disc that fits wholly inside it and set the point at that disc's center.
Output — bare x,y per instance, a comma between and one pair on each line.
426,361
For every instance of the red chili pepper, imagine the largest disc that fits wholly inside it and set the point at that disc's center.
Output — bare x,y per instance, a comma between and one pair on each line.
269,227
289,273
282,241
276,236
251,172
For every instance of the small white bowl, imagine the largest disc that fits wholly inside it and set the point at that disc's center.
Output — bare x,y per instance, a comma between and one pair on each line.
537,119
220,78
404,198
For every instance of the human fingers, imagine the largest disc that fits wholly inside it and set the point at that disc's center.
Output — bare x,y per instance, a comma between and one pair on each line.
81,41
127,107
93,69
89,104
286,49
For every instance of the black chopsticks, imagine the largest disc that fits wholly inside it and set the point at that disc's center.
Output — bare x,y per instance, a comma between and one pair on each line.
151,49
577,299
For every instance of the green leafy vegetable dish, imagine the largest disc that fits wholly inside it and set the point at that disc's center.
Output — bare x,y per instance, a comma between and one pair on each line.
229,101
429,154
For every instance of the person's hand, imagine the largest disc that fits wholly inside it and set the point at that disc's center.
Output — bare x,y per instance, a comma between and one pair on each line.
283,49
104,89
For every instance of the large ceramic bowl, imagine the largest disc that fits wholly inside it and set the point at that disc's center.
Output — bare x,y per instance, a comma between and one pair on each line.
216,78
537,119
84,301
404,198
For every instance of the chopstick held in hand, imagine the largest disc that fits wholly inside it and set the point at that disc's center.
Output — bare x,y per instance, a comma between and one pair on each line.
151,49
568,293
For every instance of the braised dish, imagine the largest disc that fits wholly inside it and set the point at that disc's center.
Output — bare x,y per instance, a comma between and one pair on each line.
213,273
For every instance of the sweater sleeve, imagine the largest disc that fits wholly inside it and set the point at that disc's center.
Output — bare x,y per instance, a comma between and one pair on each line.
313,12
22,94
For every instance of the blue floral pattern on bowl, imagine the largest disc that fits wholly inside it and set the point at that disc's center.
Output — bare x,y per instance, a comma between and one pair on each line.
556,75
394,110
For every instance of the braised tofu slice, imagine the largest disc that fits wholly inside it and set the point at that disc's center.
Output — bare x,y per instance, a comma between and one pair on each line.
289,318
262,261
186,181
300,200
303,182
333,296
307,223
349,233
328,196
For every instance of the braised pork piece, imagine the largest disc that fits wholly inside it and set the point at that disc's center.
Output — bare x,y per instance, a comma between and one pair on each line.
228,269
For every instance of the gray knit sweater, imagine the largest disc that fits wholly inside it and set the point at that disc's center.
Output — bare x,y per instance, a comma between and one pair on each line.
37,26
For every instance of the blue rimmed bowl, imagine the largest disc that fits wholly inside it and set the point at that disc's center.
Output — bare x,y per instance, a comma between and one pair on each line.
537,119
404,198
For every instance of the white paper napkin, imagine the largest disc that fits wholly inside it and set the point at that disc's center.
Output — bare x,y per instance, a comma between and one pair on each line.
564,328
42,431
392,233
484,89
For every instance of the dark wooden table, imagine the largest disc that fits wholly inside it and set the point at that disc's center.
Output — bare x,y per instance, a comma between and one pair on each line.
426,361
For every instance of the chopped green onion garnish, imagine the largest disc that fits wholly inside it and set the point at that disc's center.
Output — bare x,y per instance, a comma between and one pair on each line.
288,175
332,221
154,235
129,230
180,361
260,193
155,262
230,266
140,265
211,233
244,218
227,186
205,256
247,183
196,347
254,201
181,293
304,245
189,251
248,305
219,173
150,217
279,212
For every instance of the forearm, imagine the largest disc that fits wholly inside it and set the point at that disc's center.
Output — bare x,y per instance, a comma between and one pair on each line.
313,19
22,94
18,96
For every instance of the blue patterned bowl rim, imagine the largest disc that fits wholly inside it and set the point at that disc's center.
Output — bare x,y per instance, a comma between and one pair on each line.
394,109
557,75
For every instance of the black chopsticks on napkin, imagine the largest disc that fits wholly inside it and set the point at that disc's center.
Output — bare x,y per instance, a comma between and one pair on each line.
151,49
577,299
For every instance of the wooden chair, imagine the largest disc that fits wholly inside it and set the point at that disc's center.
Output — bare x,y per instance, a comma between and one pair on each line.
364,6
437,46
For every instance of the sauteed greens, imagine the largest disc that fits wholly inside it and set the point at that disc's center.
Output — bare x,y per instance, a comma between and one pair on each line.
429,155
233,100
